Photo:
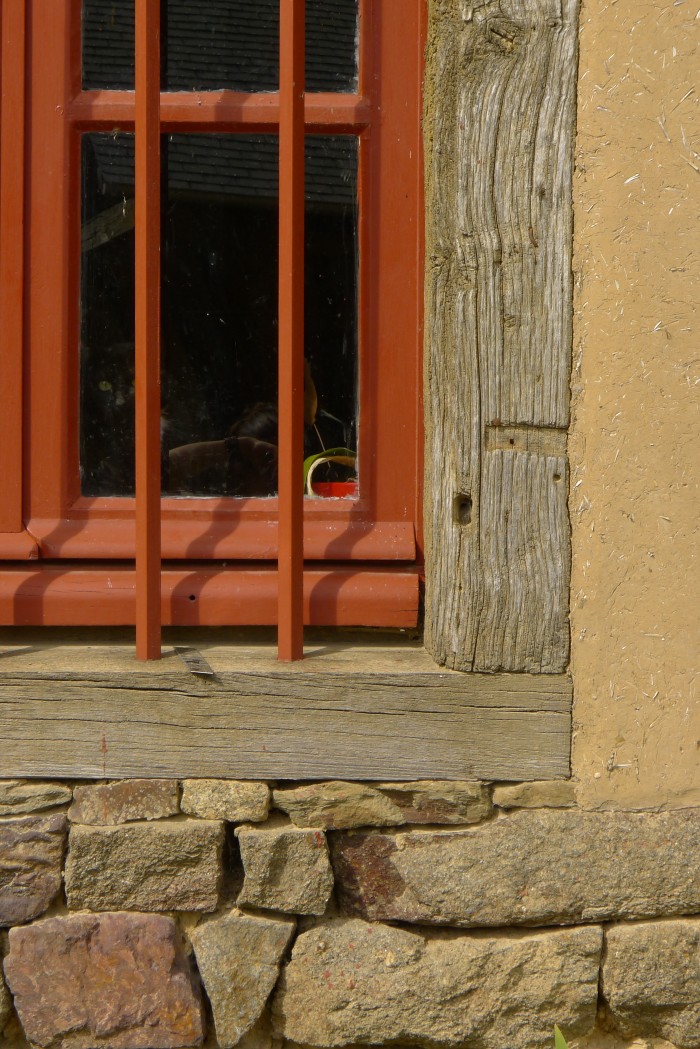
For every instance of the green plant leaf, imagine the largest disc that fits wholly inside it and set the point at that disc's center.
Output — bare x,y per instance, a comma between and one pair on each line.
559,1040
330,454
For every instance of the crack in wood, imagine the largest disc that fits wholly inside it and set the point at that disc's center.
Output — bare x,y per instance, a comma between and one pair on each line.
433,733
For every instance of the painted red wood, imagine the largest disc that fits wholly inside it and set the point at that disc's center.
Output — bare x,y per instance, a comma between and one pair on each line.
12,118
195,533
290,556
385,115
222,111
147,304
205,595
391,211
18,546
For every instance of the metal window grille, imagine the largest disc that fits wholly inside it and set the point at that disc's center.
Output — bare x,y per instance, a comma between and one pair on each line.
291,330
59,550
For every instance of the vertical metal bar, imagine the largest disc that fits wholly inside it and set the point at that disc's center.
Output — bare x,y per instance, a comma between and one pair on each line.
147,303
12,113
290,566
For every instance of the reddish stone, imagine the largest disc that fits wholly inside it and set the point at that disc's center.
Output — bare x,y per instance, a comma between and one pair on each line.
120,980
365,873
107,804
31,855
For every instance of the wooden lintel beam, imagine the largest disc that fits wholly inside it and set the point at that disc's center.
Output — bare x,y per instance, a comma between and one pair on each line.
401,718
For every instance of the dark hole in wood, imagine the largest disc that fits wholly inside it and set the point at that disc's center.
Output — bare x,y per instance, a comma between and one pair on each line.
557,478
463,509
193,597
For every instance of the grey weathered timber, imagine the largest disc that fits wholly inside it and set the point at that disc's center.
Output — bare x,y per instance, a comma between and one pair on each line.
499,122
362,713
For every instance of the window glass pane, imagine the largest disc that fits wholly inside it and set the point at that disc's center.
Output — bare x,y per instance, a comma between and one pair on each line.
331,45
220,314
219,344
231,44
108,44
107,315
330,315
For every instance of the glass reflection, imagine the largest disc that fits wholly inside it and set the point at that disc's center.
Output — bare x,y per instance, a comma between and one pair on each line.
221,44
219,324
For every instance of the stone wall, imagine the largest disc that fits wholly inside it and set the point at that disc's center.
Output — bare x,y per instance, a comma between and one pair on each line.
151,914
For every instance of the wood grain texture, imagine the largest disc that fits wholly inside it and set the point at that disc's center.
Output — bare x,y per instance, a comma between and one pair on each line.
347,712
499,126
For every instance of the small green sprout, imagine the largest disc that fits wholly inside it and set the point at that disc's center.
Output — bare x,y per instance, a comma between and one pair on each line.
559,1040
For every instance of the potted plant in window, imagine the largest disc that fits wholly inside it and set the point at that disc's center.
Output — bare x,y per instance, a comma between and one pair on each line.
343,457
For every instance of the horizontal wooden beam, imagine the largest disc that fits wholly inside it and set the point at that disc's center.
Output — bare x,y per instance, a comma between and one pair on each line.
353,710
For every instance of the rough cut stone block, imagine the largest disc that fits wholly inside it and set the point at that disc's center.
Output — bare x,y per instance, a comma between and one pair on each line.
439,801
107,804
238,956
532,867
540,794
120,981
23,795
5,1003
651,980
236,801
145,866
337,804
31,856
285,869
350,982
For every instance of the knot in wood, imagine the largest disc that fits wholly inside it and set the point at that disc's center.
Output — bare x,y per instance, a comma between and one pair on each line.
507,35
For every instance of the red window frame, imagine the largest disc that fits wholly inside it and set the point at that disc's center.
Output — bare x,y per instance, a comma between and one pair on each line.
361,557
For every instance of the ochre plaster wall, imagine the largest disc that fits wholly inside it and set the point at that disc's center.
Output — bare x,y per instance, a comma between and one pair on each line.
635,443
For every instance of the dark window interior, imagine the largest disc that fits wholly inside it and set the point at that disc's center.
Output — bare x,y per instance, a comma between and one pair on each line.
219,298
217,44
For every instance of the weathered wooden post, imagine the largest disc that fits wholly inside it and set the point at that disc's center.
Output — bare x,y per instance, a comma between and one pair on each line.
500,111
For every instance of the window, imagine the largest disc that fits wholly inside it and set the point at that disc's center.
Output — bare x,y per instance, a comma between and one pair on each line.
498,579
66,285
